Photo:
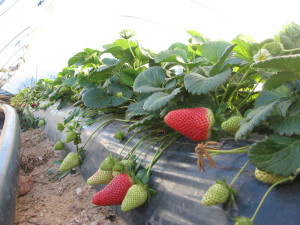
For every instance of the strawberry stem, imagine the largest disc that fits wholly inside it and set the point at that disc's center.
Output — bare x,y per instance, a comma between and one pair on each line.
239,173
291,178
232,151
101,125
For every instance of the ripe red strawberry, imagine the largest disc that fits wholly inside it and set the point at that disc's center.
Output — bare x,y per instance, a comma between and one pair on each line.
33,105
114,192
195,123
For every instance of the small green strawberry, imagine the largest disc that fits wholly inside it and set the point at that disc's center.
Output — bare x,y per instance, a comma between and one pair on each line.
71,136
43,107
267,177
60,127
100,177
108,163
243,221
119,135
72,160
41,123
59,145
232,125
135,197
216,194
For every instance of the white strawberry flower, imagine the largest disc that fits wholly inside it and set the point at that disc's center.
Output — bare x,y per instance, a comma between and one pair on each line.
262,54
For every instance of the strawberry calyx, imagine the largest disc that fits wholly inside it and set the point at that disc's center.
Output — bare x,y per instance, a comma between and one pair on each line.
231,190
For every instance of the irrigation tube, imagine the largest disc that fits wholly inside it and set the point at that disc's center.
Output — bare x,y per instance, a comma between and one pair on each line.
9,164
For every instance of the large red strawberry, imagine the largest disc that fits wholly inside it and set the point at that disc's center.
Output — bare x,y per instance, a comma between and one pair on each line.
114,192
194,123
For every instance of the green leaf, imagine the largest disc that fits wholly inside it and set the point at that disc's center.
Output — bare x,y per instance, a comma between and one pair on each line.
212,51
93,58
198,84
285,125
128,76
96,98
159,99
136,109
115,88
85,82
63,103
73,114
243,49
150,80
219,65
277,155
124,43
278,79
254,118
289,63
109,61
101,73
70,82
197,36
171,56
77,59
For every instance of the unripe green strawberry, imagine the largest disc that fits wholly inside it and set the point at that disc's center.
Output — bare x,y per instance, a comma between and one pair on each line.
100,177
71,136
243,221
135,196
267,177
194,123
59,145
216,194
43,107
60,127
232,125
108,163
71,161
41,123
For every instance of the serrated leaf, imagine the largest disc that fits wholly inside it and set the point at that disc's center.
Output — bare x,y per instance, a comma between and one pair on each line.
124,43
136,109
243,49
212,51
128,76
197,36
147,120
150,80
109,61
63,103
277,155
289,63
254,118
77,59
171,56
285,125
115,88
93,59
278,79
96,98
218,66
198,84
70,82
85,82
159,99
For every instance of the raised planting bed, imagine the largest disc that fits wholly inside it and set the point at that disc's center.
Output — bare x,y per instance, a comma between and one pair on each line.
9,164
178,182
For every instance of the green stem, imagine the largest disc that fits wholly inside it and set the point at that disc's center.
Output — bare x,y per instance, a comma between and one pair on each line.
101,125
228,86
132,136
159,152
232,151
268,191
238,87
155,140
136,146
249,95
239,173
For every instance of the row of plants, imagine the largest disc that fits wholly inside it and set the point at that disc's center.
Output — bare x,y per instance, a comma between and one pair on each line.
203,90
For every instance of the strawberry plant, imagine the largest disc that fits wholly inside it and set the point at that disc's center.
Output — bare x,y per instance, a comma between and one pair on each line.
204,90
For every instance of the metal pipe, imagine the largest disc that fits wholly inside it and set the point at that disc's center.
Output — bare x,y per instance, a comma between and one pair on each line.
9,164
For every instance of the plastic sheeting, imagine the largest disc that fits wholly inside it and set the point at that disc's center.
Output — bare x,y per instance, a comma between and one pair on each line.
178,182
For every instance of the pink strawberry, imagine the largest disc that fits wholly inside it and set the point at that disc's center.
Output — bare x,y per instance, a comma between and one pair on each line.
114,192
195,123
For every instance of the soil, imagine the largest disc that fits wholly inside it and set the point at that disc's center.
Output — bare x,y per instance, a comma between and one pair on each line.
64,201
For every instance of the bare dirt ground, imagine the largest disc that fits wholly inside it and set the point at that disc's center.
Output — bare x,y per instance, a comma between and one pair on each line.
65,201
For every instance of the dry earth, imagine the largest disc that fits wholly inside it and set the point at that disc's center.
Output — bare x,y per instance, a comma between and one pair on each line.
65,201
